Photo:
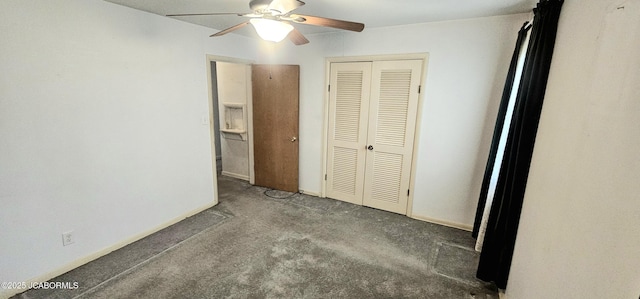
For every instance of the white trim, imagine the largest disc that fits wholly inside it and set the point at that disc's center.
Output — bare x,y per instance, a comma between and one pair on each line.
212,137
316,194
252,171
416,138
228,59
408,56
325,128
443,222
93,256
248,63
235,175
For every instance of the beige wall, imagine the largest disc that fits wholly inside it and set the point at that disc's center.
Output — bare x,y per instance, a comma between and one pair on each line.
579,234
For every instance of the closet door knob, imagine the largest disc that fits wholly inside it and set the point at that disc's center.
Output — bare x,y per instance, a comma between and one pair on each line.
370,147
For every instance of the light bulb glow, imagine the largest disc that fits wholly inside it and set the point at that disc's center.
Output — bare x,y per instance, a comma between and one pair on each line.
271,30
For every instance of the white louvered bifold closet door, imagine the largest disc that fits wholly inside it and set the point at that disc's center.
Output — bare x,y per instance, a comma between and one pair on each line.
392,120
372,119
348,113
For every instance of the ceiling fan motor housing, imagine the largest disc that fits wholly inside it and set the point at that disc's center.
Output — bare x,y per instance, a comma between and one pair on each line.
259,5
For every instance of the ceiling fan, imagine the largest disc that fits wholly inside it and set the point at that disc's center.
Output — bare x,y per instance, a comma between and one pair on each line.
271,19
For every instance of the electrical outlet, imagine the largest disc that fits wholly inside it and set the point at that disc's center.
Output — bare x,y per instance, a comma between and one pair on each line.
68,238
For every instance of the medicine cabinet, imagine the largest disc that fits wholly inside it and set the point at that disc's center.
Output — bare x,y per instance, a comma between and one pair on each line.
234,124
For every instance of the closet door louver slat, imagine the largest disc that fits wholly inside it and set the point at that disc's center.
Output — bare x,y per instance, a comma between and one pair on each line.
392,120
372,118
349,94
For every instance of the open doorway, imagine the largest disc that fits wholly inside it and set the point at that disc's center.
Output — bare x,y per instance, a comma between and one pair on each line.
233,102
229,81
267,157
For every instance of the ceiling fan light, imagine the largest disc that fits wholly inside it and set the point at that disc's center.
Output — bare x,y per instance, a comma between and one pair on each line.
271,30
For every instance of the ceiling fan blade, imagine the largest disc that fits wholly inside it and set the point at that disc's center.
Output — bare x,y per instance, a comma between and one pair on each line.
207,14
285,6
297,38
327,22
223,32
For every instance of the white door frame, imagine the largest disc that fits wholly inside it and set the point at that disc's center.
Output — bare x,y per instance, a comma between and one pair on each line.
248,63
413,56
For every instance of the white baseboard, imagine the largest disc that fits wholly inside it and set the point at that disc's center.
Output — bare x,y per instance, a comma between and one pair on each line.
83,260
235,175
443,222
316,194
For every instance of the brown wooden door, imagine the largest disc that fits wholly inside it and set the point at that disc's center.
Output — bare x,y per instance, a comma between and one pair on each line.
275,125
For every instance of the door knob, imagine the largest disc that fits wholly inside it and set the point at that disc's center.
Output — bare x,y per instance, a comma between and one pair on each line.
370,147
293,139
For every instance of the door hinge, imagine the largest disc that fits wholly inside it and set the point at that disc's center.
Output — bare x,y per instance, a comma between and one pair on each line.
328,88
419,88
325,176
408,192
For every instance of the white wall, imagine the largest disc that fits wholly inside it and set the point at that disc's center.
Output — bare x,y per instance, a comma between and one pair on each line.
101,108
101,129
578,235
233,80
468,61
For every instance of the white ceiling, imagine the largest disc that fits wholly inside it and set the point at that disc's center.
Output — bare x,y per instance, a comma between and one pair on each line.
373,13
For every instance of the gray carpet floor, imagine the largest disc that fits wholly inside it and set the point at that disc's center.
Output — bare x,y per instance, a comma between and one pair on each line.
260,243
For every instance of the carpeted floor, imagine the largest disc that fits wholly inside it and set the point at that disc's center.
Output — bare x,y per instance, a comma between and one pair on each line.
268,244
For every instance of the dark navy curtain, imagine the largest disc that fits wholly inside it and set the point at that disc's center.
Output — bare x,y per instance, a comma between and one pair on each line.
502,226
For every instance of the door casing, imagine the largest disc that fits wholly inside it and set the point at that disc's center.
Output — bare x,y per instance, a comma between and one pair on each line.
420,56
211,118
